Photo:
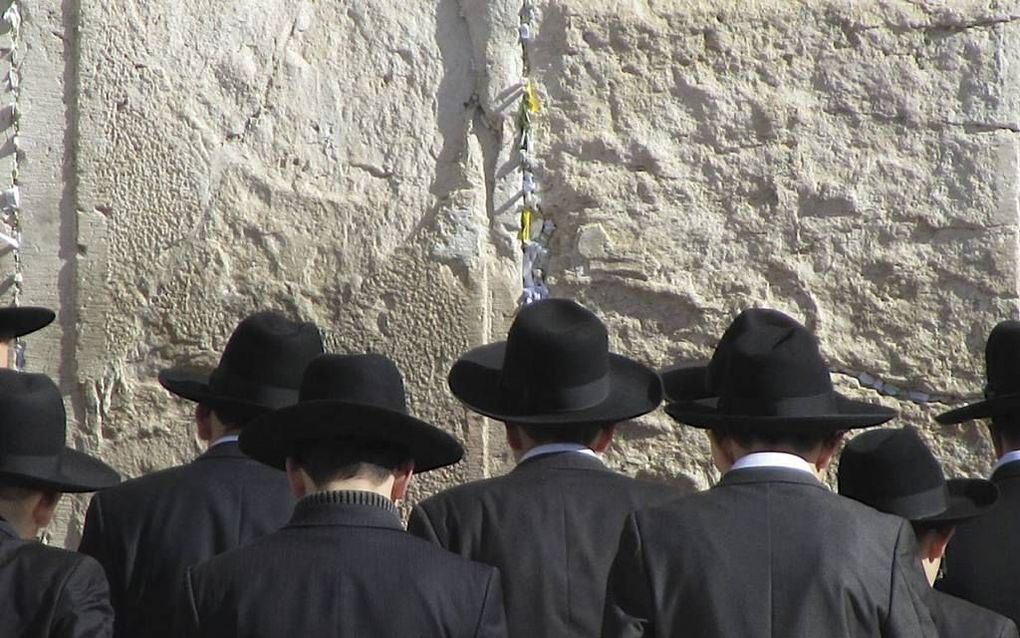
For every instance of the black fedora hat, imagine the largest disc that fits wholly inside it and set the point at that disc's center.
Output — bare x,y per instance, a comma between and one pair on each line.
1002,367
18,321
555,368
769,373
893,471
688,381
33,430
359,396
260,368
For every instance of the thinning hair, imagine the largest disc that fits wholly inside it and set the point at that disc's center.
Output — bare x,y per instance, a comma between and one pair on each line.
347,458
582,433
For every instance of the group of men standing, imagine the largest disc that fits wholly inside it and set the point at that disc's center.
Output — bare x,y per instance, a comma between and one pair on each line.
286,525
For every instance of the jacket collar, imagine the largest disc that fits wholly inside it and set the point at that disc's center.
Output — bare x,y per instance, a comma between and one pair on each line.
6,529
347,508
769,475
1007,471
225,450
562,461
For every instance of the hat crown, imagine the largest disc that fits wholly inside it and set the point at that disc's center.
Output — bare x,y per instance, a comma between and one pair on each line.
364,379
32,418
557,357
893,471
765,362
266,349
1002,359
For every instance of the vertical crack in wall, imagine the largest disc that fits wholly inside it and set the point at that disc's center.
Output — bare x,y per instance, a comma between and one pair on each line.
11,25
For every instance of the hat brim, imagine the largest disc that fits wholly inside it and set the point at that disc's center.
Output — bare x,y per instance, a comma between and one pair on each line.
983,409
77,472
848,414
194,386
271,438
968,498
686,381
476,380
22,320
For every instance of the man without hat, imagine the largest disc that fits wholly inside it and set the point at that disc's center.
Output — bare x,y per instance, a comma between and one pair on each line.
551,524
343,565
895,472
983,558
769,551
47,591
148,530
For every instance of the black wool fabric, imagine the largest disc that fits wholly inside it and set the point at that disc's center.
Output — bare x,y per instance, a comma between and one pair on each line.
551,527
147,531
343,566
957,618
982,560
50,591
767,553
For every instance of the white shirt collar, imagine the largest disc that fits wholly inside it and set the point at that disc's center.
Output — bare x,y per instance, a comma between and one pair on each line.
773,459
1008,457
226,438
556,448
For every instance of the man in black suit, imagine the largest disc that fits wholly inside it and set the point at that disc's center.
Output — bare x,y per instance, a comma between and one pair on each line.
344,566
148,530
769,551
983,558
47,591
895,472
552,523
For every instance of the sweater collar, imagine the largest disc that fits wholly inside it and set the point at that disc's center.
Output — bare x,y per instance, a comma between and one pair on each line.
346,507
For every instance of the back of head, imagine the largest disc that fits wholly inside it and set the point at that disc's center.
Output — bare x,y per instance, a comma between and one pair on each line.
336,460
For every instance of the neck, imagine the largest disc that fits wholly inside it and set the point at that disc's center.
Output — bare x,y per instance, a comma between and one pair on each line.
19,520
357,484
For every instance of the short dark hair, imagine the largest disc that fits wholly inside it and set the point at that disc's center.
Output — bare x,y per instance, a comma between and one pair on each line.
921,528
235,416
799,442
582,434
1007,427
340,459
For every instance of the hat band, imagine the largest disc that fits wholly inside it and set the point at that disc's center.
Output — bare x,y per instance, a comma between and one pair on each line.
536,398
31,465
233,386
813,405
914,506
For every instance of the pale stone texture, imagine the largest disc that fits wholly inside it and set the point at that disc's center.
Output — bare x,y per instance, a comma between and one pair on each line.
355,164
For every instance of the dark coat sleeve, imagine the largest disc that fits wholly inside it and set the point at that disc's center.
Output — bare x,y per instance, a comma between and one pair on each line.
629,608
492,621
909,593
84,610
421,526
95,542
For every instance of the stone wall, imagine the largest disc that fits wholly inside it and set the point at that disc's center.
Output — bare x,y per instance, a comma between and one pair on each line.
853,163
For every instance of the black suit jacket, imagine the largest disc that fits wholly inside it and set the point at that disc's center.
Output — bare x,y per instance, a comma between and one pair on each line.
147,531
767,553
50,592
551,527
982,560
343,566
957,618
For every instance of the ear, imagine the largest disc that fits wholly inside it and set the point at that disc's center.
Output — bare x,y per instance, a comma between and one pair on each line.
513,437
934,545
604,438
203,421
828,452
5,353
43,509
298,479
402,481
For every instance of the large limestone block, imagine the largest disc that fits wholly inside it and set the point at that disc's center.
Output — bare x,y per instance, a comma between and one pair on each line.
854,164
325,159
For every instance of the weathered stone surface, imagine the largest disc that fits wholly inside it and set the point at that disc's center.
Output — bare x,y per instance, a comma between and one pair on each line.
855,164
